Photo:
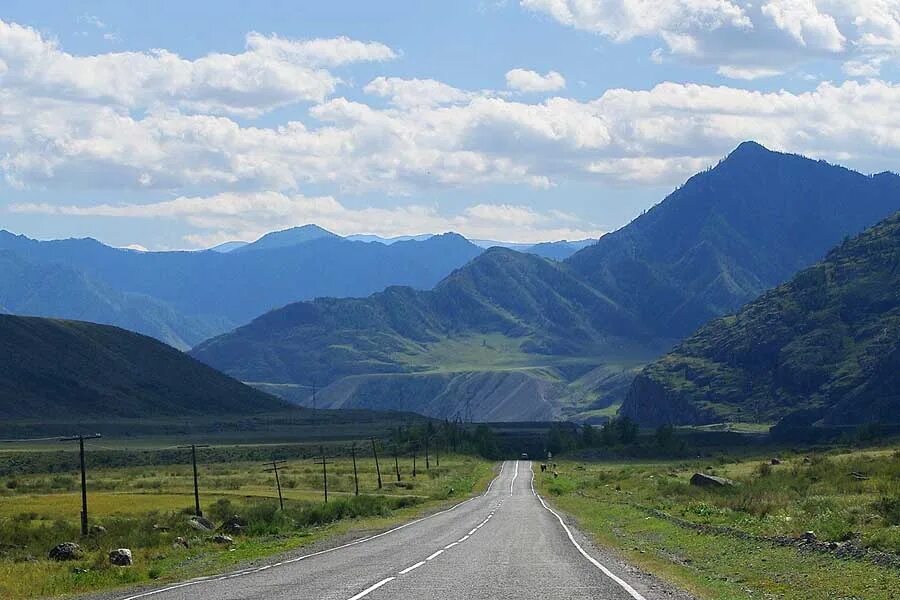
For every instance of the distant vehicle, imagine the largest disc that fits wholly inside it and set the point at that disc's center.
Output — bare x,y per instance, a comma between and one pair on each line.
523,456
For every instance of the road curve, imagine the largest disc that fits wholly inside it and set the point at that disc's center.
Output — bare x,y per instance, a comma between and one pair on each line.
506,543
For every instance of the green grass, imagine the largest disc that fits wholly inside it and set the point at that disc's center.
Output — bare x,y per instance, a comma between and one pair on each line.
615,503
145,508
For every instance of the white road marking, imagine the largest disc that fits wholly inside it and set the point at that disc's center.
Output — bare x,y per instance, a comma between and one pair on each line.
371,589
622,583
473,531
462,539
448,546
533,493
415,566
243,572
435,555
513,482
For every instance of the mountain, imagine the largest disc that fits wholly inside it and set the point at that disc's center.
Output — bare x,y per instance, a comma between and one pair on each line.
51,369
54,290
731,233
227,247
823,348
287,238
715,243
223,290
560,250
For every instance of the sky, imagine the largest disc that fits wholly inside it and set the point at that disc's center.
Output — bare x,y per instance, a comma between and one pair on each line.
173,125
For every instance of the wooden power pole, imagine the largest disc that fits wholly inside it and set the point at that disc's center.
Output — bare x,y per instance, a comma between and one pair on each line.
377,467
274,469
84,505
193,449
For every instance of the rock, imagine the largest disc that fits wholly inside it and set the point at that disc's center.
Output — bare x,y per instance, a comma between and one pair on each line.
233,525
66,551
97,530
201,524
776,461
809,536
158,527
222,539
121,557
704,480
180,542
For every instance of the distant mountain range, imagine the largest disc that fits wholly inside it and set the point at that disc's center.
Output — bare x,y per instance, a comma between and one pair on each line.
71,370
183,298
583,325
821,349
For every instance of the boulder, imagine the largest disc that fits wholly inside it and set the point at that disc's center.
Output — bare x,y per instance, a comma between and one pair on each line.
201,524
97,530
776,461
704,480
121,557
233,525
222,539
65,551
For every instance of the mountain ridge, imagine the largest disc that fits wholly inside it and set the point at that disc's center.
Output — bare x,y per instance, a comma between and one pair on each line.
688,259
822,348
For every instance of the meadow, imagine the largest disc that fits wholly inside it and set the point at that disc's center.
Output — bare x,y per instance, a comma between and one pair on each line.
146,507
745,541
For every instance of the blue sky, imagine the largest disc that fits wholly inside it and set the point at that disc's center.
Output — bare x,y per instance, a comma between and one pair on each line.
184,124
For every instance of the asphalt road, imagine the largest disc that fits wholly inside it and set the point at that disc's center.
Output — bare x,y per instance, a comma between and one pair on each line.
506,543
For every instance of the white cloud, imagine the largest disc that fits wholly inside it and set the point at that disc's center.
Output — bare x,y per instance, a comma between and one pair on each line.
247,216
271,72
803,20
524,80
411,93
649,136
741,37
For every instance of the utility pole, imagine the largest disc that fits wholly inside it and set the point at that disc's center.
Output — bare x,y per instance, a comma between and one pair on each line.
84,506
324,471
377,467
396,463
437,452
355,475
414,460
274,469
427,463
193,449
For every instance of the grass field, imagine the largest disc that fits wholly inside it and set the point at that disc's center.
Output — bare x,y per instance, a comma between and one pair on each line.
642,509
145,508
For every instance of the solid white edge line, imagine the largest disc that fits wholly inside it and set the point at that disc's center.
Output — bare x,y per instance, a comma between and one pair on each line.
251,571
415,566
372,588
622,583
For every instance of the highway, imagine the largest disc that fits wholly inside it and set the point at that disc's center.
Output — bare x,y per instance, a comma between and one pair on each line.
506,543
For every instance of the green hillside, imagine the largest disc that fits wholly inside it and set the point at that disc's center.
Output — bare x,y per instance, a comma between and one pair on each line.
51,369
824,348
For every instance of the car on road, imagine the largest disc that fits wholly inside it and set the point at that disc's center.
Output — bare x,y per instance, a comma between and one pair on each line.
523,456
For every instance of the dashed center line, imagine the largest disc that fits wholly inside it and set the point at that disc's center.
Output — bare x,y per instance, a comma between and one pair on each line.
435,555
372,588
415,566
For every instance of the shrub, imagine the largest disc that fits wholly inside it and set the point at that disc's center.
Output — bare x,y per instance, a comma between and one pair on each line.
889,509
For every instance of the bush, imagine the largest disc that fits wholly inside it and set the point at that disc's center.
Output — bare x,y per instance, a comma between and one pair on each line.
889,510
